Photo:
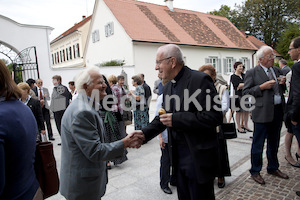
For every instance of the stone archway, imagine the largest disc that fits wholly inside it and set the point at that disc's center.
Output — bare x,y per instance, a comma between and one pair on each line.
24,63
9,51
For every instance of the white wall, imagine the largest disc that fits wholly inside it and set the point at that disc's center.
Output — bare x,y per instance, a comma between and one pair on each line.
195,56
116,70
118,46
145,55
21,36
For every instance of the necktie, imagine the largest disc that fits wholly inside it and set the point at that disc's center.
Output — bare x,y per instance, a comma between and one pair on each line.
41,94
271,77
41,97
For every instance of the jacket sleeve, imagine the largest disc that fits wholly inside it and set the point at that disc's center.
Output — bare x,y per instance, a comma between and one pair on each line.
86,135
37,111
250,87
295,85
47,94
153,129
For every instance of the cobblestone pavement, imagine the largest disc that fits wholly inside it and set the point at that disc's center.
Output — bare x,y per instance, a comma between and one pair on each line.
244,187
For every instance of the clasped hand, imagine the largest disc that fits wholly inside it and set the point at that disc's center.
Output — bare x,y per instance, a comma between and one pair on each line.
134,139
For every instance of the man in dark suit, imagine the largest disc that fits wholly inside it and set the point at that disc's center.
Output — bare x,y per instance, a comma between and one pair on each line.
43,95
261,82
283,66
293,104
31,83
60,100
191,124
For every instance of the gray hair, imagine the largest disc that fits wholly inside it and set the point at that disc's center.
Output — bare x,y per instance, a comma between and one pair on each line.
283,62
172,50
84,77
261,51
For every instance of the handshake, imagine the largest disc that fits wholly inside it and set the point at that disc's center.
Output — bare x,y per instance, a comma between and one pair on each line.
134,139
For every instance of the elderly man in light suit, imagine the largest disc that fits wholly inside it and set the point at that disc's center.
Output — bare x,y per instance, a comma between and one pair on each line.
84,154
263,83
43,95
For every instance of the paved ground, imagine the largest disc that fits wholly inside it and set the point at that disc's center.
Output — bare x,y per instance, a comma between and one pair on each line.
138,178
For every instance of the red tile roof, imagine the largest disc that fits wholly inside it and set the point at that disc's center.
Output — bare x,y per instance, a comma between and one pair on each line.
258,43
72,29
155,23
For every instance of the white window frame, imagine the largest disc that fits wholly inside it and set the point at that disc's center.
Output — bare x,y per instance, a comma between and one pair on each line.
215,61
95,36
109,29
246,62
229,65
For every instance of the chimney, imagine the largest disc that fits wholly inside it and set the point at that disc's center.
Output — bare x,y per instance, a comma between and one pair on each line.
83,17
169,4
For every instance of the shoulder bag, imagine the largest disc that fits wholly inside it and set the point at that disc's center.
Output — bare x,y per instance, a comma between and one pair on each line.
45,169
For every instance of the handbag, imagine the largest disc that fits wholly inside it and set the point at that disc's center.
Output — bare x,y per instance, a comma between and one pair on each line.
229,130
45,169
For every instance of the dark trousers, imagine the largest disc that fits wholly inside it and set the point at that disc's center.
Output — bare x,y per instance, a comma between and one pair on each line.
188,187
46,116
165,165
57,117
223,160
271,131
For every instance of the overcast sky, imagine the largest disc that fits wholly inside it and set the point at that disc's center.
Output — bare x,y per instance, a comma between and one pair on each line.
63,14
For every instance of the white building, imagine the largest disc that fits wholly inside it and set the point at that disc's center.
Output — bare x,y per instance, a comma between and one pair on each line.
132,31
67,49
24,44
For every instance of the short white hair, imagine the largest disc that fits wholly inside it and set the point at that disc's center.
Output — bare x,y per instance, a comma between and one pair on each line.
261,51
84,77
172,50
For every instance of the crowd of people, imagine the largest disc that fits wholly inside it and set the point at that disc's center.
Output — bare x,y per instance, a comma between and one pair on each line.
91,118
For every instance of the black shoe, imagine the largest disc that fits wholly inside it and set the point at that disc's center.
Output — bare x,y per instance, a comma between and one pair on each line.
59,144
297,156
221,182
241,131
298,193
167,190
294,165
247,129
51,138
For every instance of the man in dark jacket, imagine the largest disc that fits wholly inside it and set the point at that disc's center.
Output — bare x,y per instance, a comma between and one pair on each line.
191,120
293,104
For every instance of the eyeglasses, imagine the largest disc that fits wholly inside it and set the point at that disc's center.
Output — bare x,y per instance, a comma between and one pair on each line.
271,56
290,49
158,62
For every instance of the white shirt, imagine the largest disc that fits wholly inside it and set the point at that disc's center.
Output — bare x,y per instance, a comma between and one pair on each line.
277,97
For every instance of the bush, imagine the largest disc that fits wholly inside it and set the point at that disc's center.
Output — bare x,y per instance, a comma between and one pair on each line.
113,63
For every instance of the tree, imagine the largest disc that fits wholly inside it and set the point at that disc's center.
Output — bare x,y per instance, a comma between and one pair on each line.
224,11
266,19
284,41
